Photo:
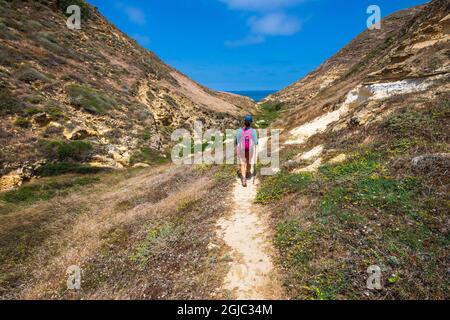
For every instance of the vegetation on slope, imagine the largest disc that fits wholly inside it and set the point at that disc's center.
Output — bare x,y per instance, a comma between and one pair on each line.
372,209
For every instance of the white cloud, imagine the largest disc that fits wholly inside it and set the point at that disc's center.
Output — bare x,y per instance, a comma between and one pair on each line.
260,5
141,39
270,20
271,24
275,24
250,40
135,15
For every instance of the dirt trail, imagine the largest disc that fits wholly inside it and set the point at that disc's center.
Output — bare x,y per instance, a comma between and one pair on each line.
251,275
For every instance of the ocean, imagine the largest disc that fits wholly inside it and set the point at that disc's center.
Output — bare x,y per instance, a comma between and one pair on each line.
255,95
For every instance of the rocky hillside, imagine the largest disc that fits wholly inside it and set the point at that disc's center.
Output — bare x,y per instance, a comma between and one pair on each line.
409,54
91,95
412,44
365,178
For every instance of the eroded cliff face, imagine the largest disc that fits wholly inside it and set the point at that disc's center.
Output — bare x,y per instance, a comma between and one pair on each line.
92,89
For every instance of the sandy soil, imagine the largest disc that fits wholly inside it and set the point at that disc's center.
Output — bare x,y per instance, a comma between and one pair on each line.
251,275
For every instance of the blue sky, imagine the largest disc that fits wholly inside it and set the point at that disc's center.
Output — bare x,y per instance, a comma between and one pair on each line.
236,45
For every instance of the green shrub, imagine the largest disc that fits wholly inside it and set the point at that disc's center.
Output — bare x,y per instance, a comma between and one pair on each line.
407,123
8,34
147,155
274,188
30,193
268,113
22,122
381,193
146,134
90,100
74,150
300,245
154,237
33,111
10,57
8,103
32,26
55,113
30,75
402,145
56,169
384,193
297,242
225,174
35,99
361,163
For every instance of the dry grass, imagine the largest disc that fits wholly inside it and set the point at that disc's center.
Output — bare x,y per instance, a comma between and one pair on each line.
101,229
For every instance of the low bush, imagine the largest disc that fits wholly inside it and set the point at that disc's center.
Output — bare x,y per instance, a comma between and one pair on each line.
91,100
7,33
147,155
359,163
62,151
30,75
268,113
35,99
49,42
8,103
274,188
155,236
32,26
56,169
30,193
22,122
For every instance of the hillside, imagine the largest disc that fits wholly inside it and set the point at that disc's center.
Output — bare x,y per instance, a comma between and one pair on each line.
363,184
365,179
91,95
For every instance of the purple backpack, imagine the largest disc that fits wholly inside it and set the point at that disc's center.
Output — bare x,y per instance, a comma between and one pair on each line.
246,138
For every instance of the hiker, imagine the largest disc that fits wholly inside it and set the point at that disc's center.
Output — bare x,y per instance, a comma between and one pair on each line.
246,141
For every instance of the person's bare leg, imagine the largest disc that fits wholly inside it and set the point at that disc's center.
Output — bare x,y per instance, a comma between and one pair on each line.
244,174
247,170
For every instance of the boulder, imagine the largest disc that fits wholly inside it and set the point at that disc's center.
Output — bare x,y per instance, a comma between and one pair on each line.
104,162
355,121
431,162
141,165
41,119
120,157
338,159
54,128
79,134
10,181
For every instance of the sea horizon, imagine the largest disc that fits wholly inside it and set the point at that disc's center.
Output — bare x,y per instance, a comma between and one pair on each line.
256,95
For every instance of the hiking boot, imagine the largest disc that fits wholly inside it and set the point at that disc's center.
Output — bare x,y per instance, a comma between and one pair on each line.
244,182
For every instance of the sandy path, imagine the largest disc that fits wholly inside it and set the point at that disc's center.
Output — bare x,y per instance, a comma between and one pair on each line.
251,275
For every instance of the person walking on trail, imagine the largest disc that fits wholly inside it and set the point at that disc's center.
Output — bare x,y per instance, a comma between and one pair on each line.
246,140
